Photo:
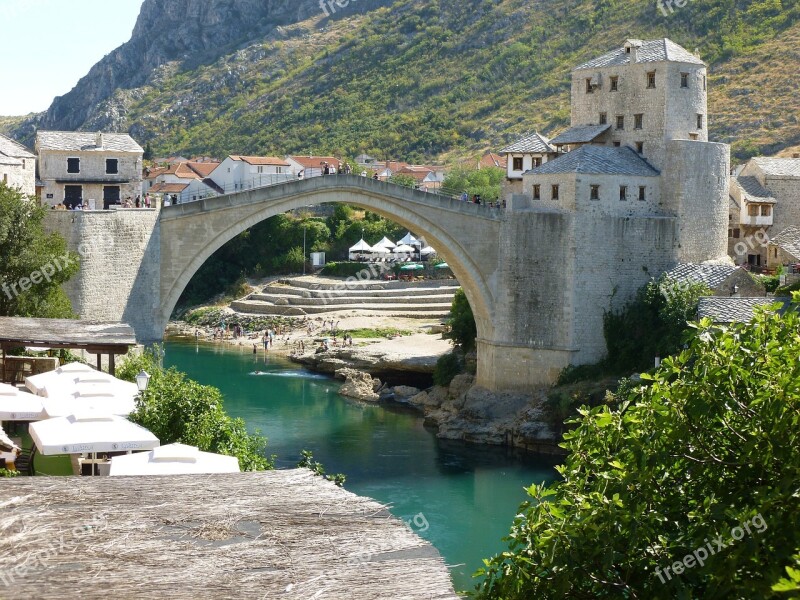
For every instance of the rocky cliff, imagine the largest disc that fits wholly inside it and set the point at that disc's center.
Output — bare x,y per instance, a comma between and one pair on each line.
192,32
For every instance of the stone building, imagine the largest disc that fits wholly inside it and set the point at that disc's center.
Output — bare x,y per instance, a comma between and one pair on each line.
96,168
633,189
17,166
764,201
523,155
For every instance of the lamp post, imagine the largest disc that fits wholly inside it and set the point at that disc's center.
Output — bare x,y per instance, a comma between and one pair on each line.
142,380
304,248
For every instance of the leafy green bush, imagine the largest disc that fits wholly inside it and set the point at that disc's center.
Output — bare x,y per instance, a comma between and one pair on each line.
307,462
463,329
8,473
447,367
343,269
177,409
709,446
381,332
786,290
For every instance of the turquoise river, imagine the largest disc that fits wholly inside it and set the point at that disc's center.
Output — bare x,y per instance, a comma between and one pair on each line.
460,497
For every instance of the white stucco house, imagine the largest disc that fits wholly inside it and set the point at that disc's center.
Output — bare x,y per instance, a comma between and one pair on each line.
237,173
17,166
97,168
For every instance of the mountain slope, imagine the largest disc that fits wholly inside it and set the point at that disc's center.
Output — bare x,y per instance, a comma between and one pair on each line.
411,78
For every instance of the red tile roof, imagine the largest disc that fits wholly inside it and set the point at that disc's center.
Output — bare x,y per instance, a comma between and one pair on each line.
203,169
315,162
262,160
168,188
490,159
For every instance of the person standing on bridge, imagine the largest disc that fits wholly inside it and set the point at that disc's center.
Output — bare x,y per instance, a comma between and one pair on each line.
348,170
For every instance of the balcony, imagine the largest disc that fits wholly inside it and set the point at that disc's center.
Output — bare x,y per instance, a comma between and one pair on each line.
755,221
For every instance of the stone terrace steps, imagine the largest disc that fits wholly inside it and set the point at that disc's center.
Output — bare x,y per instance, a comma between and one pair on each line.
430,299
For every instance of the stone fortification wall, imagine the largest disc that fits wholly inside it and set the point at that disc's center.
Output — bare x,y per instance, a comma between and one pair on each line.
119,276
21,175
696,183
614,257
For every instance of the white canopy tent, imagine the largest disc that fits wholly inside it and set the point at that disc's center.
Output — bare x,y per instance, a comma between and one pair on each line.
37,383
361,246
16,405
386,243
90,432
404,249
173,459
408,240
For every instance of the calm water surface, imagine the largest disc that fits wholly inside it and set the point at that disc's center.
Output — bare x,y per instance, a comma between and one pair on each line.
460,497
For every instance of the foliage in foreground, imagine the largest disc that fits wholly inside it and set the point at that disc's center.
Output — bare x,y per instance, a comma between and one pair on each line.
447,367
33,264
708,446
177,409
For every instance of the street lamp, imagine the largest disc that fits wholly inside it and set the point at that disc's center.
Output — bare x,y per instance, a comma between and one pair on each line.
304,248
142,379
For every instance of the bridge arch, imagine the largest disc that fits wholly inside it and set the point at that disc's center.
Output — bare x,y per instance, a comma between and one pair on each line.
464,234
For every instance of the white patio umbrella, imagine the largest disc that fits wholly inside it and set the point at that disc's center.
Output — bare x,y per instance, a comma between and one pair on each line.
90,432
381,250
173,459
101,399
404,249
386,243
16,405
428,250
36,383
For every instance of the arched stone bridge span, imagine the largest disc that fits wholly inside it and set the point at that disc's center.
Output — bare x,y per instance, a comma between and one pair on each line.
465,234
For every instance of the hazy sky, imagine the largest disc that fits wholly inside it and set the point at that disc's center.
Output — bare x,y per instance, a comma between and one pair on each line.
46,46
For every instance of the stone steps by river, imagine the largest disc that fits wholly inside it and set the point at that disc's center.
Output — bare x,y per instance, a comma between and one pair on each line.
418,299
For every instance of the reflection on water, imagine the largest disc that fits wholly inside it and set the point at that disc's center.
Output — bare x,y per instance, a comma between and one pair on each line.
466,494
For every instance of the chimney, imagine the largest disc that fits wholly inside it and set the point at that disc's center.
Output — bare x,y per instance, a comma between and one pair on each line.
632,48
99,139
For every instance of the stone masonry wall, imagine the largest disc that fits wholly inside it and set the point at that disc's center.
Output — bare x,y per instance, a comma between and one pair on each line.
21,176
119,278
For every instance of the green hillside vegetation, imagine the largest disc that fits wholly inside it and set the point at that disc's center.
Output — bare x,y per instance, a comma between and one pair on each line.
418,80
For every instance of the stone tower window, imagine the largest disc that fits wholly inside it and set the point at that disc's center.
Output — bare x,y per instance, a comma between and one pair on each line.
651,80
73,165
112,166
594,192
554,192
620,122
537,161
642,193
693,136
766,210
537,194
623,193
614,83
699,121
589,87
617,144
517,163
603,118
704,82
638,121
640,147
684,80
752,210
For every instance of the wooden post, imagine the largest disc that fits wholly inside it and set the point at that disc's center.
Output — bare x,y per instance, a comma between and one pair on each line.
99,362
111,367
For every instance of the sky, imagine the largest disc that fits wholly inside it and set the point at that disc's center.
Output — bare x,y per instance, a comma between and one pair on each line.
46,46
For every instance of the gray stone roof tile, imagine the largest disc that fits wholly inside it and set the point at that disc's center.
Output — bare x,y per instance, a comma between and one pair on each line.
663,50
782,167
711,275
580,134
721,309
788,240
13,149
86,141
599,160
534,143
753,190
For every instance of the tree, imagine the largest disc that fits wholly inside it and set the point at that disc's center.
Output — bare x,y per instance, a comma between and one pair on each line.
403,179
177,409
33,264
686,487
148,152
486,182
463,329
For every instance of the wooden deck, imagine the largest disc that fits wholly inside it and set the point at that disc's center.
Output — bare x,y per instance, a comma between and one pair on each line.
274,534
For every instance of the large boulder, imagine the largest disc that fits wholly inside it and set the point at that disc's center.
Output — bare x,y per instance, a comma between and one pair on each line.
359,386
403,392
460,385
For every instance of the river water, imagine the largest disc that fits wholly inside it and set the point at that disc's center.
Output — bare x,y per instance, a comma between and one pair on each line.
460,497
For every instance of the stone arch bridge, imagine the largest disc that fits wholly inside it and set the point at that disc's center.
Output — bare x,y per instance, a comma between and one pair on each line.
530,275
